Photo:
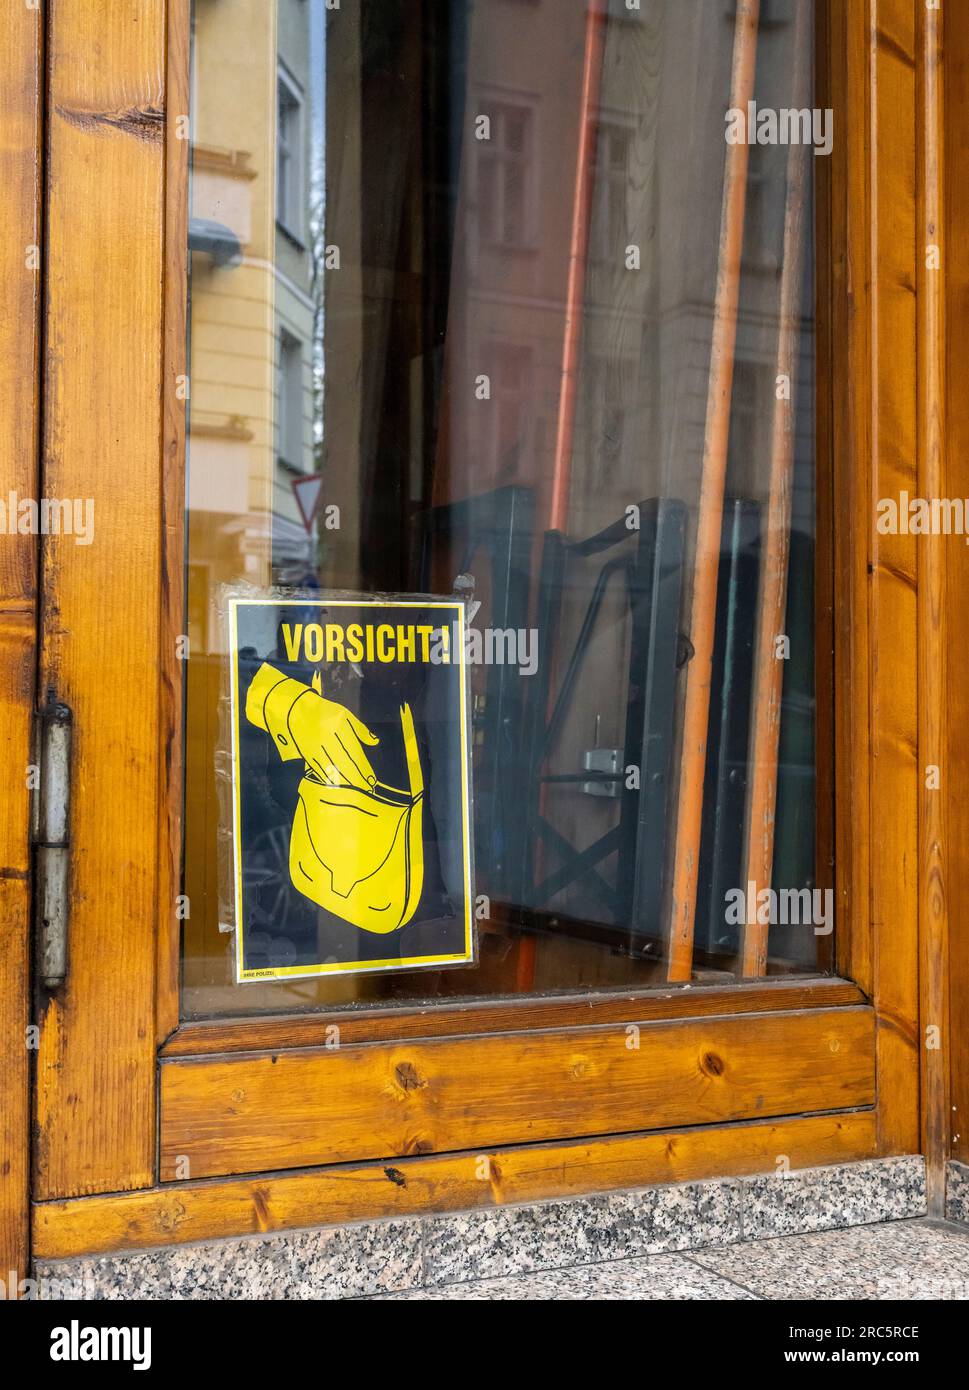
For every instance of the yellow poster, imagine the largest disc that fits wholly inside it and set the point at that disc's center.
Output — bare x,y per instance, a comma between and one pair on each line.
351,827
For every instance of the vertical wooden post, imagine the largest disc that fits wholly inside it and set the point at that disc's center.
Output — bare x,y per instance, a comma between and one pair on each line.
935,1040
709,519
888,31
21,104
100,611
955,768
175,311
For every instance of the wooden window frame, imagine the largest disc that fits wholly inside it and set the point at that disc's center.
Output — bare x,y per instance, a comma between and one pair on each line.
184,1038
880,330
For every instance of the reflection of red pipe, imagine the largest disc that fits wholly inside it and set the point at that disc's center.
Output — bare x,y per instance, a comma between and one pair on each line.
595,28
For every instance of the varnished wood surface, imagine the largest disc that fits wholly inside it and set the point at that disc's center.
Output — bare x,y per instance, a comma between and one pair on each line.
850,508
172,599
874,260
182,1212
379,1100
894,776
21,41
439,1020
935,1024
102,439
955,770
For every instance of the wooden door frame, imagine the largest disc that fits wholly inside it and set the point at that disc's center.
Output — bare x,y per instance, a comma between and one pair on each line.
954,1105
21,107
114,131
102,438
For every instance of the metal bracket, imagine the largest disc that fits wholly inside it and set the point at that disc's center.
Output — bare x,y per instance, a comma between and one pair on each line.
606,765
50,838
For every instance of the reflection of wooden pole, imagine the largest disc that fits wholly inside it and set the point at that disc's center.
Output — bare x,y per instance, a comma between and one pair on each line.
758,854
595,28
709,518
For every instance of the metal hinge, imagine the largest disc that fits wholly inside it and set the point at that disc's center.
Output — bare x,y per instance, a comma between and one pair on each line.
50,832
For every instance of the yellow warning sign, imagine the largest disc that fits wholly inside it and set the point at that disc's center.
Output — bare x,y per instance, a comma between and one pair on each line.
351,786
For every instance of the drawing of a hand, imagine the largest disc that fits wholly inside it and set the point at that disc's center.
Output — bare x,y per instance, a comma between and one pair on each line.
303,724
331,740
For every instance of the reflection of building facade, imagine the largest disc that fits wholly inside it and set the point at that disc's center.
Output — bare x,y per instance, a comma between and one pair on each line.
251,417
647,308
295,312
251,351
657,185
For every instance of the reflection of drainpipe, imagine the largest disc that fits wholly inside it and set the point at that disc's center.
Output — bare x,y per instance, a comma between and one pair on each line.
595,38
214,239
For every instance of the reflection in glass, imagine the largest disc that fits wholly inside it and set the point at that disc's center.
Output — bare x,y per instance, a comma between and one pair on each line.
454,279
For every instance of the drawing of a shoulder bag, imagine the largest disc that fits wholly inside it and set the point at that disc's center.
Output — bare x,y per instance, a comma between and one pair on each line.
357,851
360,854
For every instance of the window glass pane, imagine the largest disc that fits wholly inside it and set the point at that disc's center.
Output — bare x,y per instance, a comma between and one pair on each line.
458,294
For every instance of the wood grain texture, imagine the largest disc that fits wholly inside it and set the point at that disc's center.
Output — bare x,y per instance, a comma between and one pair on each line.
181,1212
102,440
21,41
506,1015
292,1109
935,1026
955,769
895,776
874,238
174,369
849,311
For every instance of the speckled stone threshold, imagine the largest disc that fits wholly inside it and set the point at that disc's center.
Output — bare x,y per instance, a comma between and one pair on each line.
434,1252
957,1193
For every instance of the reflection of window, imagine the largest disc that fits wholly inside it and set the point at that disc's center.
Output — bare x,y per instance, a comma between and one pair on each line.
764,233
506,432
290,400
505,176
750,416
605,416
289,157
609,233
